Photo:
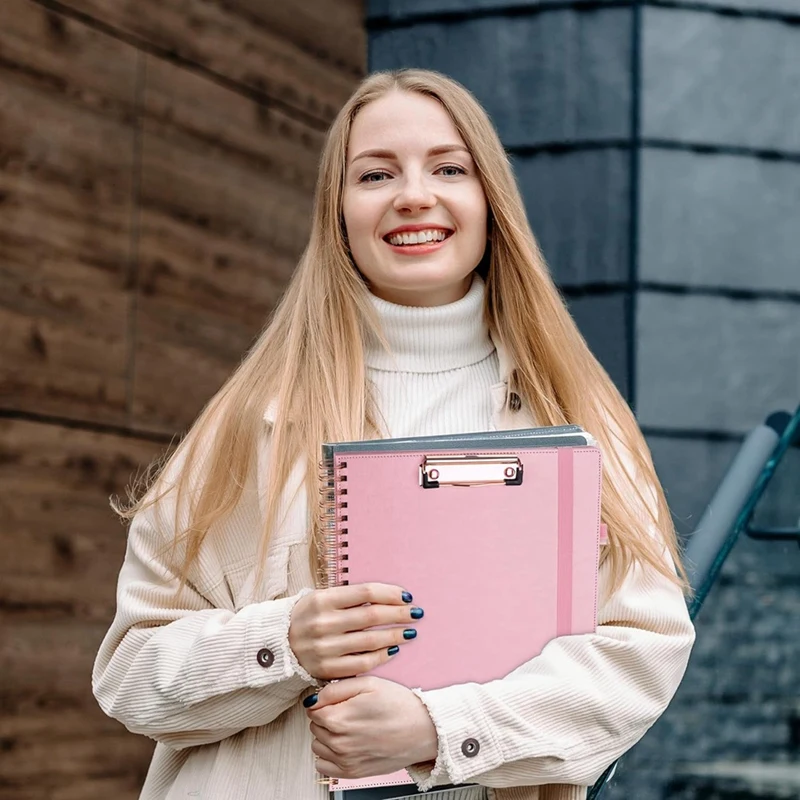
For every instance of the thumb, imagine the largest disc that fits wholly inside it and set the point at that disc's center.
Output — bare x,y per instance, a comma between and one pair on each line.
341,690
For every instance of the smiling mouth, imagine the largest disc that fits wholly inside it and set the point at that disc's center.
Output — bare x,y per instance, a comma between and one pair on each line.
411,238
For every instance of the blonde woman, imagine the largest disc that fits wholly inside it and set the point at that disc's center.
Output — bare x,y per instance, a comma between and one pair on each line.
421,305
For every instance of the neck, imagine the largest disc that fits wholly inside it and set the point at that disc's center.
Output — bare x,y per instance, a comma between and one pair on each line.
431,338
424,298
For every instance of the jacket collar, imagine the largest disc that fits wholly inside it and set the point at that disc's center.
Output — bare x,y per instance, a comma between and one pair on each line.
504,359
499,390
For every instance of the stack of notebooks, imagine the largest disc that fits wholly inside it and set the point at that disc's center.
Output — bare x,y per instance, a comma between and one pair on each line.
495,534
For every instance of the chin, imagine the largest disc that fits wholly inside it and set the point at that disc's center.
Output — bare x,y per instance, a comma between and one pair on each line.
426,277
423,291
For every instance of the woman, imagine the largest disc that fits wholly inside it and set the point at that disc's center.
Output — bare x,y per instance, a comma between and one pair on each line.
421,305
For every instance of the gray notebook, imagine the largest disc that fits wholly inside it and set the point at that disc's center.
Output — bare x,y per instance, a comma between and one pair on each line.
554,436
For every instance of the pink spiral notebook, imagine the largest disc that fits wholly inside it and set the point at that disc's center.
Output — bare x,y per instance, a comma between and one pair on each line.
496,535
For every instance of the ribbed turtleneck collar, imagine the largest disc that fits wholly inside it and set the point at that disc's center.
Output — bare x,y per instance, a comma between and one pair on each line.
431,339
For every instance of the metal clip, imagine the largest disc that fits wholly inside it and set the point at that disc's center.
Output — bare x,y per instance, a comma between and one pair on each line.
469,470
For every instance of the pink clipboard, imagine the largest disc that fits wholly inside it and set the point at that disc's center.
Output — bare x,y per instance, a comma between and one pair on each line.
502,554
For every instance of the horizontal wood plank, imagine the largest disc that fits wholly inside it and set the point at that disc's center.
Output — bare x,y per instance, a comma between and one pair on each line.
70,755
48,666
63,541
226,193
305,55
64,547
67,111
54,739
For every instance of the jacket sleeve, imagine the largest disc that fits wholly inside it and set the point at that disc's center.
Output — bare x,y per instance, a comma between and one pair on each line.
565,715
181,671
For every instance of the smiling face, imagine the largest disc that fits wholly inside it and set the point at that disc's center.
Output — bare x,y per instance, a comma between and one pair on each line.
414,208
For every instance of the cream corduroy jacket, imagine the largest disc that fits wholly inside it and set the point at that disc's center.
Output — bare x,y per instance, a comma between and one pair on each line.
213,680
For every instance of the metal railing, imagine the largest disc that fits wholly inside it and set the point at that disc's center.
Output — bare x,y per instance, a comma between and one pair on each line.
730,513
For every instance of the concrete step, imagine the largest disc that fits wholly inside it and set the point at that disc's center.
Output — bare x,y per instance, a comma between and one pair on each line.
740,780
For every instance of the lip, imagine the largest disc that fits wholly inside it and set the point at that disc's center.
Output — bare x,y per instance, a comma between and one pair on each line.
418,249
417,226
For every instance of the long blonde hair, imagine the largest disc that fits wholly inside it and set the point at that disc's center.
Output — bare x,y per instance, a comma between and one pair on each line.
309,361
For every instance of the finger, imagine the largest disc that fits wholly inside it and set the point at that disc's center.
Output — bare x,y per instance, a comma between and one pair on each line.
333,693
323,751
331,723
353,666
329,768
376,615
325,742
357,594
368,641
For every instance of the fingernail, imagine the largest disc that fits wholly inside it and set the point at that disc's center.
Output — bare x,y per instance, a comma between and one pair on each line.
394,650
409,633
417,613
407,598
310,700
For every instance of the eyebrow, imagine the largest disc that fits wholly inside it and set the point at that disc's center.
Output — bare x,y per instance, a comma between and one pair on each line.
391,155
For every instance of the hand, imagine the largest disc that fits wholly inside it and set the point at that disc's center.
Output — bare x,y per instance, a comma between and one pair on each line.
329,629
370,726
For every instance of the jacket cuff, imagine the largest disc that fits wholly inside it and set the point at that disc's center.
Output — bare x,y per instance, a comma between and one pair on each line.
428,775
466,745
268,654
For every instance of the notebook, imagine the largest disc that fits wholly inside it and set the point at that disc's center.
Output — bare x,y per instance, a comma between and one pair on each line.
503,523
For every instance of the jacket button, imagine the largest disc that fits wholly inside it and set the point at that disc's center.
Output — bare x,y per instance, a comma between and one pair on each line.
514,401
470,747
265,657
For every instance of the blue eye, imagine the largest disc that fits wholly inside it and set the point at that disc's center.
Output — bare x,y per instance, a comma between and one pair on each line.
373,177
454,170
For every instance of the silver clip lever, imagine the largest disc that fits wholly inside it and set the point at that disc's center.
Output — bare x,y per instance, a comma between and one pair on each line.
469,470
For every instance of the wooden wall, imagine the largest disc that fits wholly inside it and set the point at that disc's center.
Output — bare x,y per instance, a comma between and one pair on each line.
157,161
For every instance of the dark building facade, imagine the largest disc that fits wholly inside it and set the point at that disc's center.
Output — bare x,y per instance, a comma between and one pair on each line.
657,145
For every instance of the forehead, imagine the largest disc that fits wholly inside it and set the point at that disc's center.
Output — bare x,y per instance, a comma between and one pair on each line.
402,121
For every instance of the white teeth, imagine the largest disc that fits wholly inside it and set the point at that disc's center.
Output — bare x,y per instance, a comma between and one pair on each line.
417,237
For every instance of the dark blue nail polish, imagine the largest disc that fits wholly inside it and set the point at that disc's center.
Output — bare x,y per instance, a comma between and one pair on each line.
409,633
394,650
417,613
407,598
310,700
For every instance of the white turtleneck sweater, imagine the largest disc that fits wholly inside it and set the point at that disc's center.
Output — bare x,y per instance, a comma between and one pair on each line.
435,379
441,365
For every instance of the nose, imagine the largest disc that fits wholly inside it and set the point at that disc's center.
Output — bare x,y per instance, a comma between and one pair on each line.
413,194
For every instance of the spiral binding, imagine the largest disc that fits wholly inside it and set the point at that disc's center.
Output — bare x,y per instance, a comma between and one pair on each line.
333,539
331,518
